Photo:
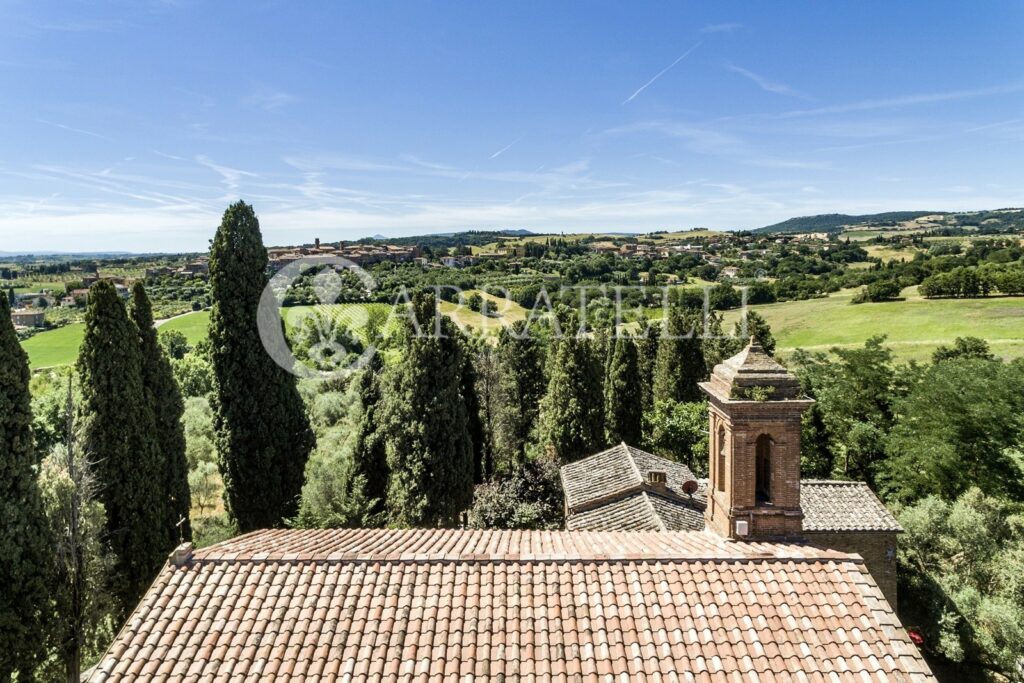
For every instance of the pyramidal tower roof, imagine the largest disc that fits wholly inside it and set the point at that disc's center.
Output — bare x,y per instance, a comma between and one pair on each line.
752,375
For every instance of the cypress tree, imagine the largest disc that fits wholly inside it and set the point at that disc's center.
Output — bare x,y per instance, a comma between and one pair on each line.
26,556
164,399
623,412
646,351
521,387
429,450
474,425
679,363
572,412
758,328
118,430
263,434
369,455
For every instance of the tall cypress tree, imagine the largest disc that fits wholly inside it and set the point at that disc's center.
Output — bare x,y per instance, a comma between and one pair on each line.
647,350
623,412
118,432
521,387
263,434
164,399
369,455
26,556
572,412
474,423
679,364
429,450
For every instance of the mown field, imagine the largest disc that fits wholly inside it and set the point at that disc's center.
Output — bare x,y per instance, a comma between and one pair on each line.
915,326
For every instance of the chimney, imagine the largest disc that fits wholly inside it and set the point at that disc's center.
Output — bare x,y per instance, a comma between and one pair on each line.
181,555
657,479
316,241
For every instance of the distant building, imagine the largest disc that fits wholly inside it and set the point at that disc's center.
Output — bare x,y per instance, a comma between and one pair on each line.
25,317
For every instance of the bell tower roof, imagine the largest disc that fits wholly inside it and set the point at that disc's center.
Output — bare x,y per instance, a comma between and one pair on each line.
752,375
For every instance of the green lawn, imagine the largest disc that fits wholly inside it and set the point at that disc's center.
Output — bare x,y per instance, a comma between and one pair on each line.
914,326
60,346
192,325
54,347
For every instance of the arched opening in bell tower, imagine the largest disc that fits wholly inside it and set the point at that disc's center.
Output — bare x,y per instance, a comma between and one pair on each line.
763,469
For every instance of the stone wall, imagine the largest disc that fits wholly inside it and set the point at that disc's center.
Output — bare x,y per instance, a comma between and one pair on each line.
878,548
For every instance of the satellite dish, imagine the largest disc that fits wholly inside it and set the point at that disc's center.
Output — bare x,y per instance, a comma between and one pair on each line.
690,487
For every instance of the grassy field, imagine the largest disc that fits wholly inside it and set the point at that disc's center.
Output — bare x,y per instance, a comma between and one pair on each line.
54,347
192,325
914,326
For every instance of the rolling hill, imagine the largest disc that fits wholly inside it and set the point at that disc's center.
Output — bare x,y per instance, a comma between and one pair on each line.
837,222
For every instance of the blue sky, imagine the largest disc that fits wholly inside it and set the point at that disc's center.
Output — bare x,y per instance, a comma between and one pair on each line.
131,125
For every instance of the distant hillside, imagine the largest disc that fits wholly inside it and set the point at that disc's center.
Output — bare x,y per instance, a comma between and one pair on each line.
836,222
469,238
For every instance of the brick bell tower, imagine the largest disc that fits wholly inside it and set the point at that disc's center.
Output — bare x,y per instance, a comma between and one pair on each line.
754,448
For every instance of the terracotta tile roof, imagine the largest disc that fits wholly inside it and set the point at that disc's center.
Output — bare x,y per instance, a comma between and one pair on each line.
843,506
603,493
450,605
618,471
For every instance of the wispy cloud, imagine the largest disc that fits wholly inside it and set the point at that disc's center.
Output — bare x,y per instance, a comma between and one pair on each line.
506,148
908,100
661,73
728,27
765,84
268,99
230,177
72,129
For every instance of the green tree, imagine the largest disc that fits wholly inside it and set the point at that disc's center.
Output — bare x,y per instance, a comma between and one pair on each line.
263,434
679,364
474,423
679,431
756,327
424,420
165,401
647,342
623,409
961,426
194,375
521,387
572,411
856,390
963,347
175,344
529,498
12,298
961,565
24,535
118,431
81,561
369,454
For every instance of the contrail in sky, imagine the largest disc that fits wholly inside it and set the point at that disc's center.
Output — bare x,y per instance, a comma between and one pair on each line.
661,73
506,148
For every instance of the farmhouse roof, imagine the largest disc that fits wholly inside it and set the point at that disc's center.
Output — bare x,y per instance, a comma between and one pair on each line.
440,605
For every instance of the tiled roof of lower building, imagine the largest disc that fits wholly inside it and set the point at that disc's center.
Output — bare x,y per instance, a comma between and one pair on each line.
449,605
831,505
620,470
623,502
639,512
